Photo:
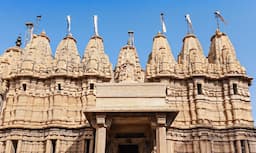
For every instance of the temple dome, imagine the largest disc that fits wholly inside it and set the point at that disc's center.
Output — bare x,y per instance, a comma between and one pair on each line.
37,57
95,62
67,59
9,60
223,54
191,56
128,68
161,61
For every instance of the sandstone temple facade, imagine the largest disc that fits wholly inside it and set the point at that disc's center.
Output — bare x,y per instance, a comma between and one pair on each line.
68,104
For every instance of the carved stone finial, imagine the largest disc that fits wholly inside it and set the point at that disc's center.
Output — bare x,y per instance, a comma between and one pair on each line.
18,41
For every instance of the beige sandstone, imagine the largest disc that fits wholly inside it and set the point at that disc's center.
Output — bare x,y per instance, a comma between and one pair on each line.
80,105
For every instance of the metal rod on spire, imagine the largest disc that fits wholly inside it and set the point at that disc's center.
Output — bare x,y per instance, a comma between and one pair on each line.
131,38
95,21
163,23
69,25
29,33
189,23
219,17
38,19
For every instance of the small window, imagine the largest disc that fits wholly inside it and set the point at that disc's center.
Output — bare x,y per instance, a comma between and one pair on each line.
14,145
24,87
199,89
1,97
235,91
59,86
53,146
91,86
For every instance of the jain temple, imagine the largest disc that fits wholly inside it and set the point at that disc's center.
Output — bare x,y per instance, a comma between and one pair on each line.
71,103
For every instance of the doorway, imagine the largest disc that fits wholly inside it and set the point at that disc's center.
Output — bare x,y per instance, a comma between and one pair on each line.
128,148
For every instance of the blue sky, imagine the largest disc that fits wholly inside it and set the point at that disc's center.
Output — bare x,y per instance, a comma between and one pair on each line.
116,17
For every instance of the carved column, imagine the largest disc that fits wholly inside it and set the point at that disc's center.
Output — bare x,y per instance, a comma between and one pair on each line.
247,150
161,133
238,146
48,146
91,146
57,148
8,148
19,146
191,103
227,105
101,132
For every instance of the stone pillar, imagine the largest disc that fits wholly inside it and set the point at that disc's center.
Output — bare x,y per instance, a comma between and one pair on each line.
91,146
19,146
57,147
161,133
48,146
238,146
227,104
247,150
170,146
101,132
8,148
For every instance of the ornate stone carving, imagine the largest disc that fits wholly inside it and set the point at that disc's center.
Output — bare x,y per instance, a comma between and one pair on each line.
222,52
67,58
95,61
191,55
161,61
37,57
128,67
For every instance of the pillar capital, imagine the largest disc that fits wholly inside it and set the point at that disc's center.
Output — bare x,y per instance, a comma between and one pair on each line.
161,119
98,120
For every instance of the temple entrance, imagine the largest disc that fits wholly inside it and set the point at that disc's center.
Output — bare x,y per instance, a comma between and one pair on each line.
130,134
130,148
140,132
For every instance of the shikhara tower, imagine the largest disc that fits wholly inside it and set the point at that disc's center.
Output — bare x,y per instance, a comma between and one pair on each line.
65,103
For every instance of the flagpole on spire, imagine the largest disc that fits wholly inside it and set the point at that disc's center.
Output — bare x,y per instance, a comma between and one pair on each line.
95,21
69,25
38,19
163,23
131,38
219,17
189,23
